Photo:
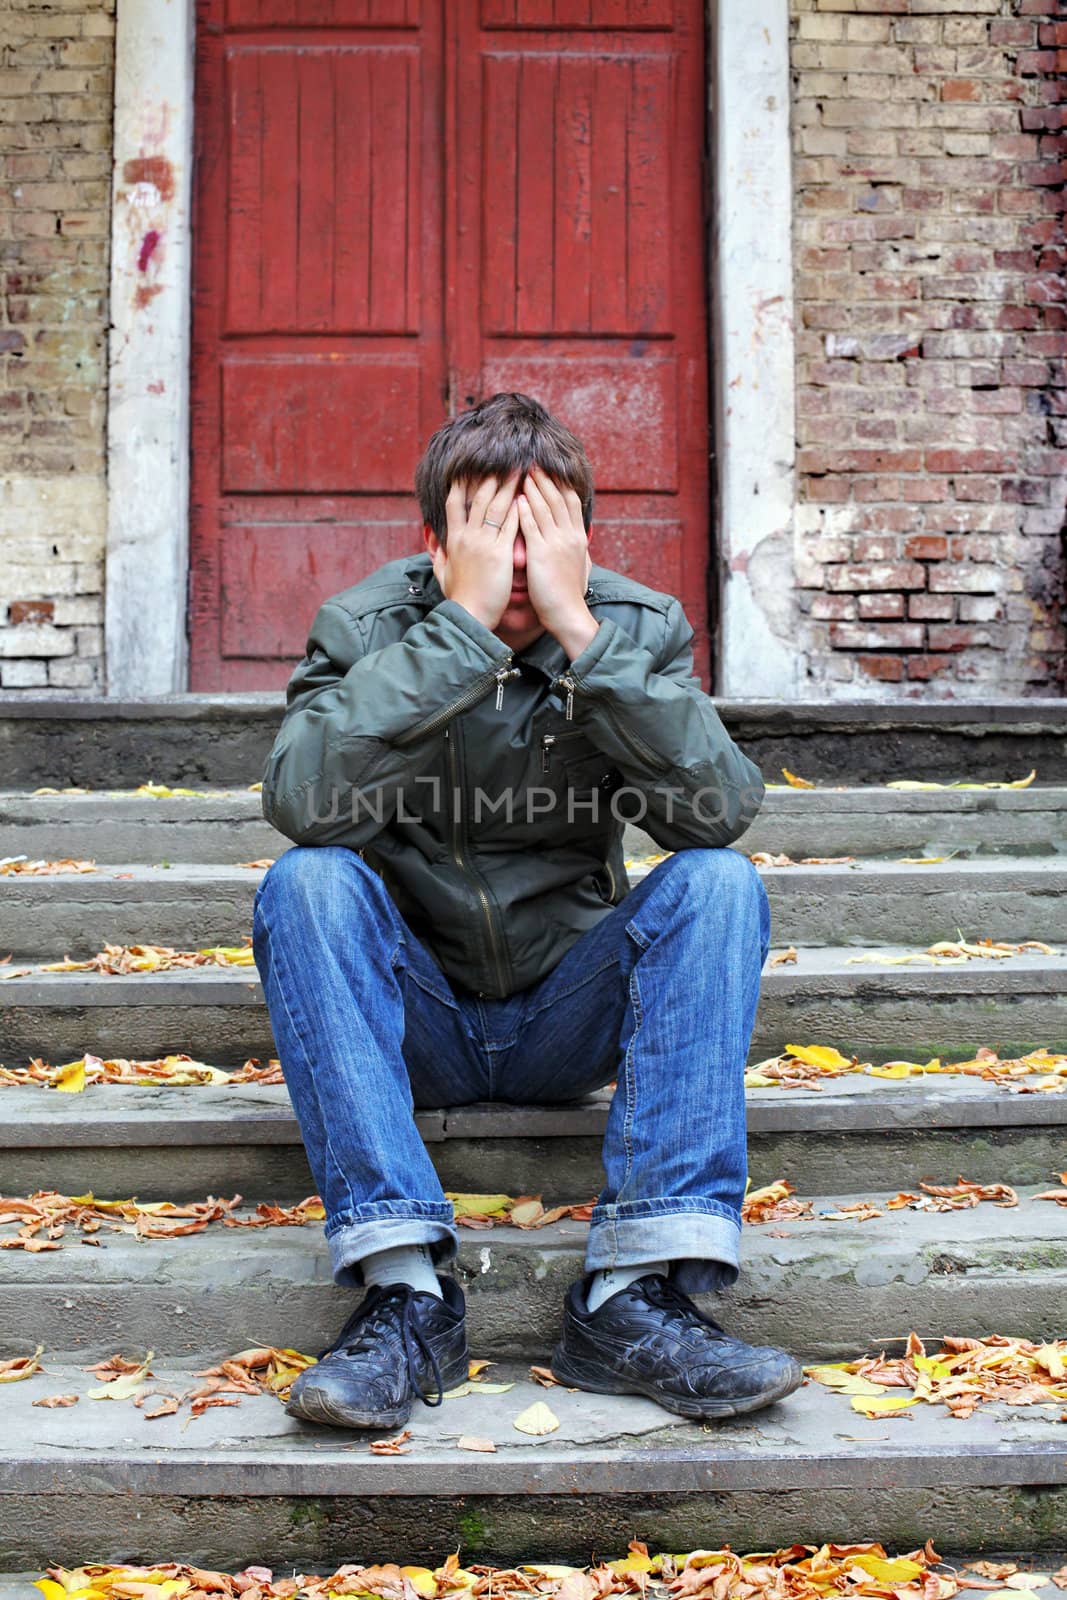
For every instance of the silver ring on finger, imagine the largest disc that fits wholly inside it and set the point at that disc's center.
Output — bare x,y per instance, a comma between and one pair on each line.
489,524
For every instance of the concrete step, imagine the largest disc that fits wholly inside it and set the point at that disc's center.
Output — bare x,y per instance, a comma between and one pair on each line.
818,1288
249,1482
878,1012
184,1143
195,739
189,906
226,825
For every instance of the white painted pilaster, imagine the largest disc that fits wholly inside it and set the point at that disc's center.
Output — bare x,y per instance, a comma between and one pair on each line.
148,396
752,354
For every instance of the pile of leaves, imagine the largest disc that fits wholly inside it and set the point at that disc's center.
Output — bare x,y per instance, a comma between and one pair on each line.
261,1370
793,782
801,1572
178,1071
963,1374
497,1210
776,1202
16,866
949,953
154,791
808,1066
42,1219
125,958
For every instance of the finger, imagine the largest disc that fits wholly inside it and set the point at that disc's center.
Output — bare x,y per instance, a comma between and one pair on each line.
502,500
527,520
574,505
550,491
482,500
455,515
538,504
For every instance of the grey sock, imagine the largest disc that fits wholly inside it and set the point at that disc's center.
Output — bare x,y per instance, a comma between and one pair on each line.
611,1279
404,1263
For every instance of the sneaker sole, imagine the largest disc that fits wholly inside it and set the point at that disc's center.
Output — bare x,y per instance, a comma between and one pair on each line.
592,1381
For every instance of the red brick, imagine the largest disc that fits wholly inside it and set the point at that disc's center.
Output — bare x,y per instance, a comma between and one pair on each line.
833,607
931,607
880,605
876,636
965,576
926,547
967,461
960,89
922,667
30,611
887,669
886,575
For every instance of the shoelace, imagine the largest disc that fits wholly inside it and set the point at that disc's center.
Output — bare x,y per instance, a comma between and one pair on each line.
661,1292
376,1314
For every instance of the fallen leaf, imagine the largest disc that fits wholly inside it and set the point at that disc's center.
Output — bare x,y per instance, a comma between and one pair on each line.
397,1446
126,1385
20,1367
545,1378
470,1441
536,1419
53,1402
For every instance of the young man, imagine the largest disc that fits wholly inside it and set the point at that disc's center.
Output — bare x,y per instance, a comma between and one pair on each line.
461,745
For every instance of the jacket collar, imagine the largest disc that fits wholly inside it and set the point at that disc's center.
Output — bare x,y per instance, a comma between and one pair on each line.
545,652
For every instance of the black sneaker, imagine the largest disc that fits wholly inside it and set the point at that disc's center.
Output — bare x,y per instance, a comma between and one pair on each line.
650,1339
398,1343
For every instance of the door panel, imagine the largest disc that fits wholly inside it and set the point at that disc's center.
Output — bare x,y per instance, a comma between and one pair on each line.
406,205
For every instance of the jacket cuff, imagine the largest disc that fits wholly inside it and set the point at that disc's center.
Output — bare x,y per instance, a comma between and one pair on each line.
494,648
606,656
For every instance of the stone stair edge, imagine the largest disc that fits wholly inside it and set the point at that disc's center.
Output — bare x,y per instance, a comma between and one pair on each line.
116,1116
614,1445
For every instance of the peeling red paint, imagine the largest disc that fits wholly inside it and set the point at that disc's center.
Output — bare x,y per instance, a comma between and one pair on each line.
146,293
148,246
151,169
157,387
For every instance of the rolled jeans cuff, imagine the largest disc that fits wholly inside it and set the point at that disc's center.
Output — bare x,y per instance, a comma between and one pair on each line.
700,1238
383,1225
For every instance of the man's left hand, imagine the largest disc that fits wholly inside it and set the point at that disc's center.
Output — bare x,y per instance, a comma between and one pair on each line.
558,563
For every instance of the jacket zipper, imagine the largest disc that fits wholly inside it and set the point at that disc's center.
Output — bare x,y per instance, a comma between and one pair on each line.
499,675
460,858
636,744
549,739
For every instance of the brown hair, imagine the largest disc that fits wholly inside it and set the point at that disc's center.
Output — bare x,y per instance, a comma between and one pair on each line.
498,436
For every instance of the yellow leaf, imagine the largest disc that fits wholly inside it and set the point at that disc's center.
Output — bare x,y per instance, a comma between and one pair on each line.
882,1405
834,1377
818,1055
70,1079
421,1579
479,1205
1052,1360
900,1570
536,1419
895,1069
794,782
50,1589
475,1368
529,1211
632,1563
20,1367
912,783
124,1387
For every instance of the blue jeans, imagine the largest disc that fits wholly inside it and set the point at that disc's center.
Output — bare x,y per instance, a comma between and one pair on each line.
661,994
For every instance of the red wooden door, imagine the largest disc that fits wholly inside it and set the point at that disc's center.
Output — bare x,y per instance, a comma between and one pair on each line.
404,205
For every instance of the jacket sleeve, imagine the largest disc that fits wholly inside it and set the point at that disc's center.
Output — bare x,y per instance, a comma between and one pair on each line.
649,713
358,726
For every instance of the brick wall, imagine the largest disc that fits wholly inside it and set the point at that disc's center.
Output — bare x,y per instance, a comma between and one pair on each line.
929,258
55,171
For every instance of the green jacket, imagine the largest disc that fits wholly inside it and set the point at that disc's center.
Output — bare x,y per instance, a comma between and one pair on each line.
411,731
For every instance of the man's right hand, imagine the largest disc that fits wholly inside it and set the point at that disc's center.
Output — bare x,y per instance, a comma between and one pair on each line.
475,565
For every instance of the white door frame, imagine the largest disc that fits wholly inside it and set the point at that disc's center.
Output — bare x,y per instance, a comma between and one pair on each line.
147,572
